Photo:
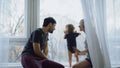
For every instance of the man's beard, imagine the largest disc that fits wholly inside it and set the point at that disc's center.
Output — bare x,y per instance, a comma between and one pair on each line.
50,31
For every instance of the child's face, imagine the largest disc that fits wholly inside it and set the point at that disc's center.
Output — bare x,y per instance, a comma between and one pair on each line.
66,28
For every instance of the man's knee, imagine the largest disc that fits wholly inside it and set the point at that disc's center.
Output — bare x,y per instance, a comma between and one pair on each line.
74,66
52,64
62,66
59,65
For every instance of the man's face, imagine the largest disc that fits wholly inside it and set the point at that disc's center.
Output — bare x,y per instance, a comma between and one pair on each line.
51,28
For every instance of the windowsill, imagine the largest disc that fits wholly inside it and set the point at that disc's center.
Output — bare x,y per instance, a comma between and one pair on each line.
18,65
10,65
115,66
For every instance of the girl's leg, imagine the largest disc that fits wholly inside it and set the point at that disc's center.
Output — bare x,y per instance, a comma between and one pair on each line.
77,58
70,58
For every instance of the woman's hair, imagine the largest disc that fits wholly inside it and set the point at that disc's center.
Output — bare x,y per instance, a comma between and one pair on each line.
70,27
82,23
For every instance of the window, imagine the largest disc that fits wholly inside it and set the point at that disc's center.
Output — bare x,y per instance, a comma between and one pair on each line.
61,11
113,28
15,53
12,23
12,17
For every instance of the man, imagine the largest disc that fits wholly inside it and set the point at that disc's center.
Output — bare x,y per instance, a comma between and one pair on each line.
35,52
87,62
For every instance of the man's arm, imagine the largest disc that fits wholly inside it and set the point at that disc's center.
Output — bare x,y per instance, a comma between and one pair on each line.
37,50
46,49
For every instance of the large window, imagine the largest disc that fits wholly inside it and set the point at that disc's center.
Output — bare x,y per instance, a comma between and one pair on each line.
12,23
64,12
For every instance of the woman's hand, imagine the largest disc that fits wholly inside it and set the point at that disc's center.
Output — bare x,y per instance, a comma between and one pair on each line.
82,53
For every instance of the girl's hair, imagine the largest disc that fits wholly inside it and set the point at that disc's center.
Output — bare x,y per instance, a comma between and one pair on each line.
70,27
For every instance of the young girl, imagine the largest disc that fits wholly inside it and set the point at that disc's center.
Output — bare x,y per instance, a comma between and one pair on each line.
71,35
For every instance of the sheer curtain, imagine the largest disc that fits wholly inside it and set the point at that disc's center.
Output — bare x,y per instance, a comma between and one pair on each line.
95,21
4,39
4,49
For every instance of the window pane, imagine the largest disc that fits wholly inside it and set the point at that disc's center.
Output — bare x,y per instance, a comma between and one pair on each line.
61,11
113,28
15,53
12,17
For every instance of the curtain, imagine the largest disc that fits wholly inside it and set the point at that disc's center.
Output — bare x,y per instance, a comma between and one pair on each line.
4,49
95,21
4,39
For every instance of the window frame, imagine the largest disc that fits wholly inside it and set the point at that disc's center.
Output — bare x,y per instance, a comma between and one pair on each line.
32,17
31,20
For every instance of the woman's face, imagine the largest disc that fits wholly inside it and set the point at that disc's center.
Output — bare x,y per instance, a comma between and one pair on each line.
81,26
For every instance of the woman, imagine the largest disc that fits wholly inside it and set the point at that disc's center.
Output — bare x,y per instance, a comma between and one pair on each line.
87,62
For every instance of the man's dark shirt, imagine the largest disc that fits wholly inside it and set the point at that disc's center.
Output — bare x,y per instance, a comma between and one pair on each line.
37,36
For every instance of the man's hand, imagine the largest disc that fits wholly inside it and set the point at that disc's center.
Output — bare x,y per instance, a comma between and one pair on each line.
46,49
37,50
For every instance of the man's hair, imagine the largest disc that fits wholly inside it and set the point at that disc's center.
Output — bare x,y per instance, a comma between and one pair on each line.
48,20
